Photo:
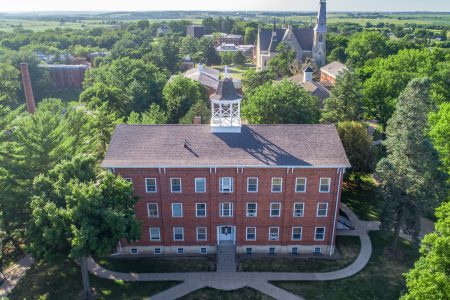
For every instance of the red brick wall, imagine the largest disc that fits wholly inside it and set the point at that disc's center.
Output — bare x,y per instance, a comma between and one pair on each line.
239,197
324,77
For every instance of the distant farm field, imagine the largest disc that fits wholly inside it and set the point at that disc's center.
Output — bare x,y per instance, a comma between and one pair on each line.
113,20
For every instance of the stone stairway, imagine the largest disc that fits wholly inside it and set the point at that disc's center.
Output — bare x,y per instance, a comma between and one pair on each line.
226,257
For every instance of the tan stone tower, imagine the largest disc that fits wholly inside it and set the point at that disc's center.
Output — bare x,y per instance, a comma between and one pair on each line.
320,31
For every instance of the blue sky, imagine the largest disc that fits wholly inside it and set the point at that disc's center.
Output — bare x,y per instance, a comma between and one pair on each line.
290,5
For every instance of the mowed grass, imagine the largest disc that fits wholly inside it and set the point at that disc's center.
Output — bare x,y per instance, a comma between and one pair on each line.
381,279
63,281
364,199
157,264
213,294
348,246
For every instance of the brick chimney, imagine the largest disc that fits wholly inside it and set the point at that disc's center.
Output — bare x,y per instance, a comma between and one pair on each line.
31,106
197,120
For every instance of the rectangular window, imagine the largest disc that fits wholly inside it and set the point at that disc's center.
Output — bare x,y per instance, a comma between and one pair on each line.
177,210
277,185
150,185
200,210
134,251
319,234
200,185
178,234
299,209
155,234
248,251
322,209
226,184
250,234
296,233
180,250
275,209
252,184
201,234
294,250
325,185
157,251
203,251
272,250
152,210
274,233
226,209
175,185
252,210
317,250
300,185
130,181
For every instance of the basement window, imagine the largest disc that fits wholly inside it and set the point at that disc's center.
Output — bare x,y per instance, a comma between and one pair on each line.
248,251
203,251
272,250
317,250
134,251
180,250
294,251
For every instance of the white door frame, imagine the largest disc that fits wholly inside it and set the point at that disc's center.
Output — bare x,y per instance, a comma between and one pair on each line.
233,233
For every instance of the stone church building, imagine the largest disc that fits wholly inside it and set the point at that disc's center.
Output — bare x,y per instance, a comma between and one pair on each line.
307,42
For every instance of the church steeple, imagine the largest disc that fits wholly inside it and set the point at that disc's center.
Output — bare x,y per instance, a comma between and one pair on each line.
320,31
321,25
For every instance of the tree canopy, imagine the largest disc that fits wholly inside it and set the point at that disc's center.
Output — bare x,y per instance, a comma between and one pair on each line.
280,103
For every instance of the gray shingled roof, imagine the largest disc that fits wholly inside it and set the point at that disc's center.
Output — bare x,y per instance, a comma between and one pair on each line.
226,91
304,36
138,146
334,68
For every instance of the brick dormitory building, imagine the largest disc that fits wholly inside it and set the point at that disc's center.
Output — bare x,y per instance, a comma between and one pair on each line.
268,188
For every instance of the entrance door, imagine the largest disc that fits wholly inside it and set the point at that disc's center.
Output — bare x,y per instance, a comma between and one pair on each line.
226,233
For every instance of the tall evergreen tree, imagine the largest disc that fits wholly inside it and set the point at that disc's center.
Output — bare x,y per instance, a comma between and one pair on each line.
411,179
346,101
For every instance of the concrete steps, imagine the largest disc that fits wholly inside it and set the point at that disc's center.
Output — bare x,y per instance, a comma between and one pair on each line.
226,257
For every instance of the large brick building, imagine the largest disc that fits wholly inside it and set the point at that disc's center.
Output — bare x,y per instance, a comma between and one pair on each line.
267,188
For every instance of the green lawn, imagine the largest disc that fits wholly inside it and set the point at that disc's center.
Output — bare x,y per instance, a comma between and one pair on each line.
234,71
157,265
63,281
362,200
348,247
381,279
213,294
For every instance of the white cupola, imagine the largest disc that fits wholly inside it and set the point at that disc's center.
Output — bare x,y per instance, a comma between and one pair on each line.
226,109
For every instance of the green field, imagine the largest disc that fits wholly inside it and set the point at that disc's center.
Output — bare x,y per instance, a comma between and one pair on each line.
8,24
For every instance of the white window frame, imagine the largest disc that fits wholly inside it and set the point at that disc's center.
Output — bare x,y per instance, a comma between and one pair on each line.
326,210
147,185
201,250
318,250
171,185
182,233
320,184
204,182
133,249
248,184
246,233
180,250
296,185
157,210
150,233
197,232
222,210
279,209
301,233
277,234
295,209
221,185
255,214
315,233
181,210
281,185
197,209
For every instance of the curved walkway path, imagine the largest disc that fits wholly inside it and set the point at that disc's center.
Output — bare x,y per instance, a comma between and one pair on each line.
14,274
257,280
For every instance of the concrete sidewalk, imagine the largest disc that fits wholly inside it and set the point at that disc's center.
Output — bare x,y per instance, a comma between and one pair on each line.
232,280
14,274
